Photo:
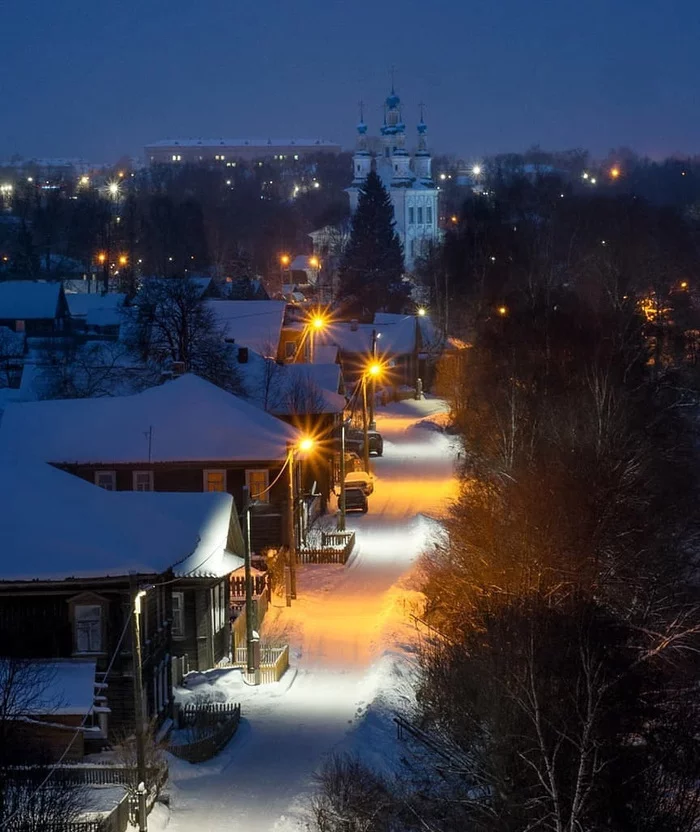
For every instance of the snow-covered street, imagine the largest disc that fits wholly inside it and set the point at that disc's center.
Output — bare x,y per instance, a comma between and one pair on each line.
350,637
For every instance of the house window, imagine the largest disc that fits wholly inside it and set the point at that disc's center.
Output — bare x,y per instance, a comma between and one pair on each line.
106,480
290,349
429,215
178,627
143,480
215,480
257,481
420,216
218,608
411,217
413,247
87,623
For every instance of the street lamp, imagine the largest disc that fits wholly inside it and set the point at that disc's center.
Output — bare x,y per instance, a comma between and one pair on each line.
304,445
373,371
476,170
123,260
421,311
502,311
252,649
139,718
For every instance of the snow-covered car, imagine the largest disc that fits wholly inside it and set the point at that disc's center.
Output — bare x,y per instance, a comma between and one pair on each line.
356,500
360,479
355,440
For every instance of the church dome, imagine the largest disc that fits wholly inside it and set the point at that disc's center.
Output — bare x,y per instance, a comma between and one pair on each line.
392,100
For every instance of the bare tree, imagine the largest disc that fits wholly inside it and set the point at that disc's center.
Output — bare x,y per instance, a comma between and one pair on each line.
173,324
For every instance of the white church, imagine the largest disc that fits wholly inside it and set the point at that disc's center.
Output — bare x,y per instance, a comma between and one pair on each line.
407,178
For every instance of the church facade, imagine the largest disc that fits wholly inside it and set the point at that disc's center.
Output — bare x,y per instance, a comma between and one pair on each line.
407,178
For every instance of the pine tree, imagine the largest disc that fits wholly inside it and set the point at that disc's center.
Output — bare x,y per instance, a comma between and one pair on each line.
371,271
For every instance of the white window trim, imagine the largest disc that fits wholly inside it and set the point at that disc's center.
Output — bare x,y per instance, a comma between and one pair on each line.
263,498
150,479
213,471
112,475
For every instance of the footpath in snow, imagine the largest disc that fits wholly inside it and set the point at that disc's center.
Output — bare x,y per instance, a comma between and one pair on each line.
352,651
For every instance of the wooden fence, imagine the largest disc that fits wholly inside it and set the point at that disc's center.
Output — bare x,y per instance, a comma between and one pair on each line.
217,721
336,547
274,663
90,775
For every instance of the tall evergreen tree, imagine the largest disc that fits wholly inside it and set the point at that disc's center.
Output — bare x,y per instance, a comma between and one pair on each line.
371,271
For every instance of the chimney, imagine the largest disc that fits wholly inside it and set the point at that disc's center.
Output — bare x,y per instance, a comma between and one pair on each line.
353,325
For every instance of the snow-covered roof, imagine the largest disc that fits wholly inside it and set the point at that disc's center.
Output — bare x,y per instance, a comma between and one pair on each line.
288,389
186,420
325,354
396,335
58,687
27,300
250,323
88,532
242,143
82,305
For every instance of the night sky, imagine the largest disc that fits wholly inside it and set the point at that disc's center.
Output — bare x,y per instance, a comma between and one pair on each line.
101,78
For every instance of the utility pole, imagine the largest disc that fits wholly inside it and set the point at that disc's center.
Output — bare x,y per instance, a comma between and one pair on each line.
252,656
139,710
341,516
290,578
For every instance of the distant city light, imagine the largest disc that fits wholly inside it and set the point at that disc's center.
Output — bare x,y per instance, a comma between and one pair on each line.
443,177
30,179
84,180
502,311
585,174
476,170
317,184
684,284
123,259
113,189
6,189
454,219
593,181
614,172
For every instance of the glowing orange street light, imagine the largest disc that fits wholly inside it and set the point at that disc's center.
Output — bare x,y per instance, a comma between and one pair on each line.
101,258
318,322
314,262
684,284
502,311
374,369
123,259
614,172
306,443
285,259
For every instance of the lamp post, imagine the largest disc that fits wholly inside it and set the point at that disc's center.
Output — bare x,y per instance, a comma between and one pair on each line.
291,572
285,260
139,727
373,393
372,372
341,516
252,652
317,323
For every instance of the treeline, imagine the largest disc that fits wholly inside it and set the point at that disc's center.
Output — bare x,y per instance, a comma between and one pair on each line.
171,221
562,679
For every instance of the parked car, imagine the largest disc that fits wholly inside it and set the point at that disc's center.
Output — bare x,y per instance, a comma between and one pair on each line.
356,500
355,441
360,479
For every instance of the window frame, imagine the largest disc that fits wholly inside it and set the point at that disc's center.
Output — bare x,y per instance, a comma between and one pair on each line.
265,497
105,472
135,474
88,600
205,483
428,214
419,214
411,215
178,611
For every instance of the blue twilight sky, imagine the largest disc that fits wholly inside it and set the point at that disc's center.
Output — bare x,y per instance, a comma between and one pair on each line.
100,78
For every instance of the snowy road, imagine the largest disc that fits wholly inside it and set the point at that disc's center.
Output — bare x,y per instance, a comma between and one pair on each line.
343,633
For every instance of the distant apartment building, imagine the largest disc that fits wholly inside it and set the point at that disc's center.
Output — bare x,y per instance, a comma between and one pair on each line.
229,151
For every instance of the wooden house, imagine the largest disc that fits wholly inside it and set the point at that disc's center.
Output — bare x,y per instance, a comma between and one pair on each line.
186,435
73,558
34,307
